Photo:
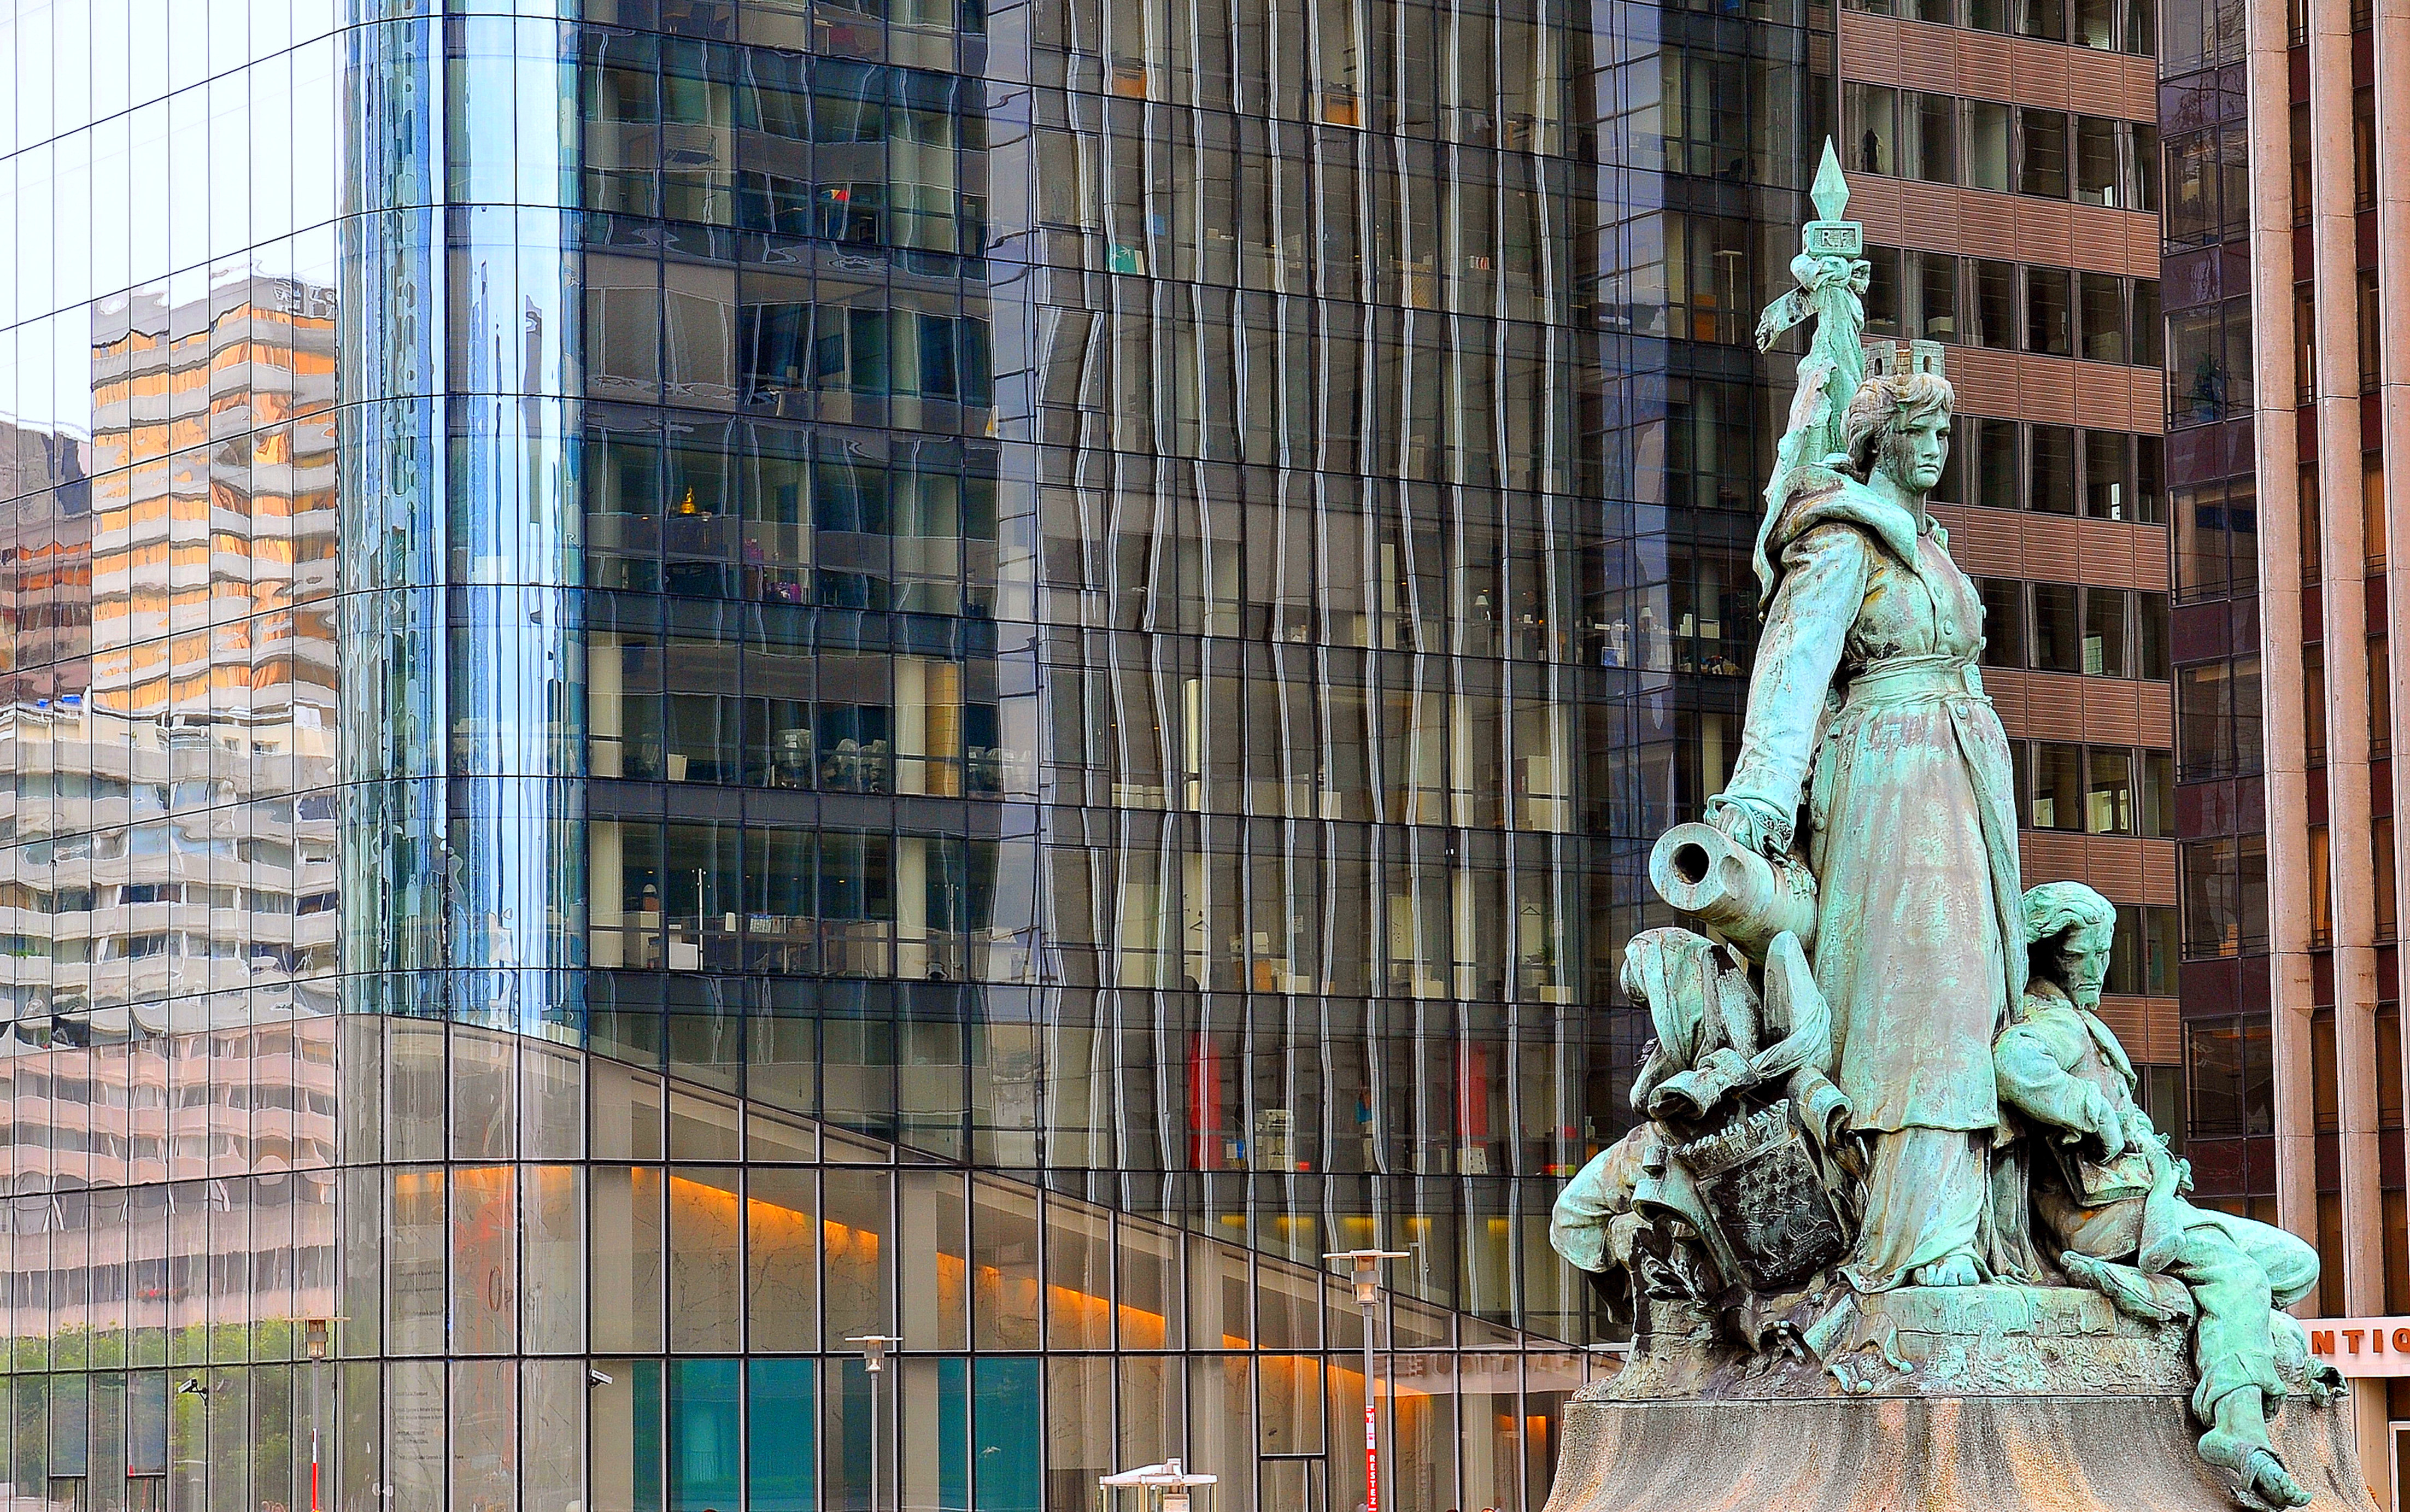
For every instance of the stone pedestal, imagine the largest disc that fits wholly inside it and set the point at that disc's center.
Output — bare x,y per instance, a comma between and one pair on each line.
1977,1398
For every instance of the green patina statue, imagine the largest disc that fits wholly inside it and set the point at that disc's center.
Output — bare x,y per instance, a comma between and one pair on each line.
2106,1189
1884,1073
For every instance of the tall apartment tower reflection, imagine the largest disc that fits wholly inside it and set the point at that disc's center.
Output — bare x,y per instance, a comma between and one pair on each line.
740,675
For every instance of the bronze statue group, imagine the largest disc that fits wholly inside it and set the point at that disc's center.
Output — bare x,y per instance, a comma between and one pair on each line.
1891,1071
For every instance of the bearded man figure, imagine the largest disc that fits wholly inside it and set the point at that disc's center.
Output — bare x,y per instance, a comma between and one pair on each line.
1871,747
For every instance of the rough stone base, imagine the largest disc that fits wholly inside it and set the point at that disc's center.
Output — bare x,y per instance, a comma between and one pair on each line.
1928,1454
1974,1398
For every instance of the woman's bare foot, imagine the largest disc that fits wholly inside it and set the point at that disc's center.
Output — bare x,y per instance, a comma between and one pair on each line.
1958,1270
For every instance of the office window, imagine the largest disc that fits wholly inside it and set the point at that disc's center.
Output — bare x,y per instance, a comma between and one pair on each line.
2371,333
2050,470
2300,141
2106,494
1929,123
1995,304
2151,636
2145,962
2096,25
1989,160
2041,153
2145,324
2104,632
2363,148
2050,319
2150,484
1988,15
2004,621
2108,794
1883,291
2058,787
2100,313
2044,20
2159,794
2097,177
1995,464
2057,631
2209,363
2142,25
1936,288
2225,896
2138,169
1870,116
1937,12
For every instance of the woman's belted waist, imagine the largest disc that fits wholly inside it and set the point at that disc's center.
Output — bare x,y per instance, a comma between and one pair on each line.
1915,679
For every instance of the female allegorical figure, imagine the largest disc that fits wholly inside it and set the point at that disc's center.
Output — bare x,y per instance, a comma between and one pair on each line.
1865,703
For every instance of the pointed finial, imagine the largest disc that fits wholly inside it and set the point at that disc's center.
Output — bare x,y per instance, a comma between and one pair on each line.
1831,193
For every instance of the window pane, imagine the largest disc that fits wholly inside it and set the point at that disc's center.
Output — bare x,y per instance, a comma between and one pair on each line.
2041,160
1937,295
1007,1434
2049,474
2159,795
2102,314
1883,291
2104,632
704,1461
2110,801
706,1280
779,1417
1151,1312
1996,465
2151,636
1930,123
2058,639
855,1230
1996,304
1869,115
2049,311
2004,621
1078,1276
1988,136
627,1260
1003,1259
2096,178
2058,801
934,1249
782,1261
2106,495
2043,18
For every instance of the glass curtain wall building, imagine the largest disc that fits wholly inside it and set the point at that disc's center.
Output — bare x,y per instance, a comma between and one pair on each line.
692,679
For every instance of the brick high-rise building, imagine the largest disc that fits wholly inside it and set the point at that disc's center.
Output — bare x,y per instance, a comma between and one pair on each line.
2003,156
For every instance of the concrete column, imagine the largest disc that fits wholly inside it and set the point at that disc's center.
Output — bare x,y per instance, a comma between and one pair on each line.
2277,450
2334,236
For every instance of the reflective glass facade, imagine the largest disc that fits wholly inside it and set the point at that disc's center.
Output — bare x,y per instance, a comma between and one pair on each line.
689,679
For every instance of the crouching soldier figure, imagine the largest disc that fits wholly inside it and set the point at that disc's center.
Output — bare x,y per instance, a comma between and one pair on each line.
2106,1193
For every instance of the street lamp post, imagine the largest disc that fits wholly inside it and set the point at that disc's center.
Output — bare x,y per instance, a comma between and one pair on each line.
874,1362
1366,1264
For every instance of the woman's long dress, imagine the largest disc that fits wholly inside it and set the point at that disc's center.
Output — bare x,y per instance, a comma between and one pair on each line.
1866,702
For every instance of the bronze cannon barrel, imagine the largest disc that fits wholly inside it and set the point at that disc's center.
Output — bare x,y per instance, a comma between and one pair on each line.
1742,895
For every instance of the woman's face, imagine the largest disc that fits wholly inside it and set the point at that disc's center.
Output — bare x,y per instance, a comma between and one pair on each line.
1918,449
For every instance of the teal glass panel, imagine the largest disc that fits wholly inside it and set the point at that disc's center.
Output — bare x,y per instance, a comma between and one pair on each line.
1005,1431
645,1441
954,1448
706,1459
778,1435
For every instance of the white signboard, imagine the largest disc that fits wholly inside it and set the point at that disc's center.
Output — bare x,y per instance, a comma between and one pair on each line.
2361,1346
